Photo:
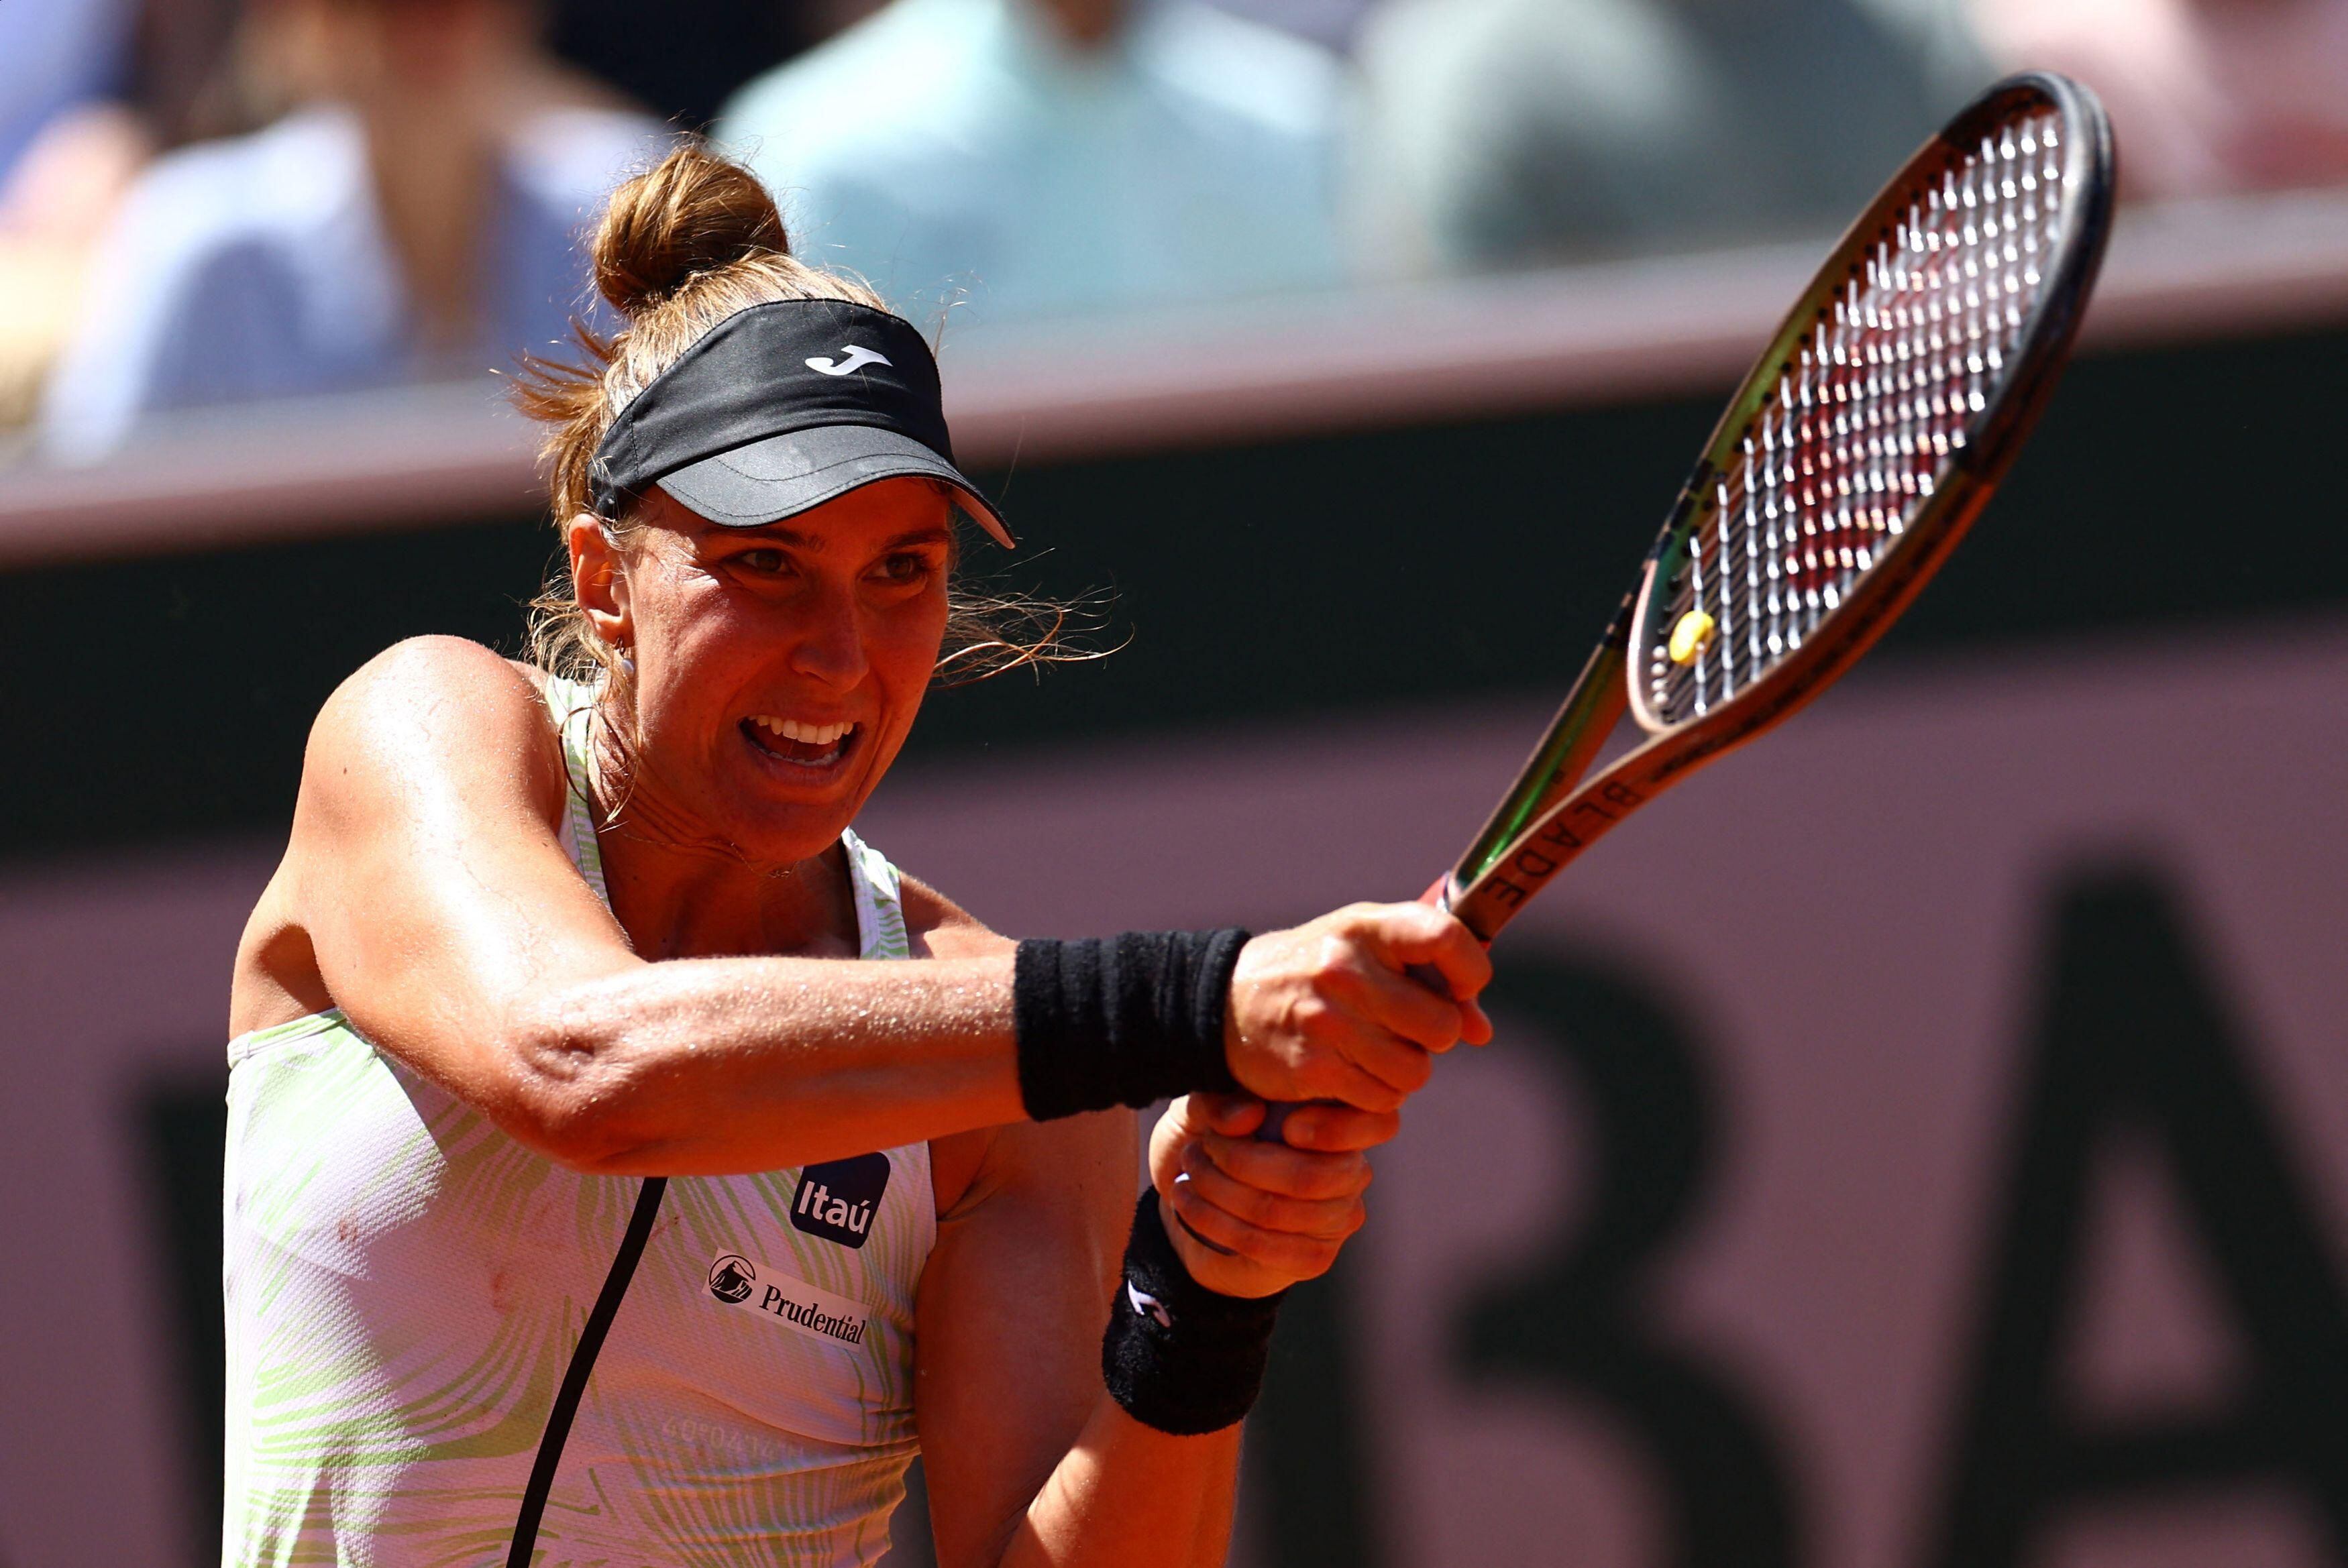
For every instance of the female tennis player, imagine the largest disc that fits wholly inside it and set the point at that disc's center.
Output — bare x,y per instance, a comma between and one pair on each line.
604,1184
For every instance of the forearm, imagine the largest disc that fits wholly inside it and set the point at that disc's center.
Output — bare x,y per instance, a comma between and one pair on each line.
1129,1496
725,1065
1117,1443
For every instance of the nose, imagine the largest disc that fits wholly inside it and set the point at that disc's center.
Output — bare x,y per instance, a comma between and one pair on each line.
831,647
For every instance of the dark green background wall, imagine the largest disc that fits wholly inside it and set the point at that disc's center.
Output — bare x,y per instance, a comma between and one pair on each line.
168,696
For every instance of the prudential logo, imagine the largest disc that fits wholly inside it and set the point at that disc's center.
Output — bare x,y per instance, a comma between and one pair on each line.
852,356
805,1309
730,1278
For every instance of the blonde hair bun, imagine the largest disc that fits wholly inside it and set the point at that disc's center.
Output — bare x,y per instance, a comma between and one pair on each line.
692,214
682,248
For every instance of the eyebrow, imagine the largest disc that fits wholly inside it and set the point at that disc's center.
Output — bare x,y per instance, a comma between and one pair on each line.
813,544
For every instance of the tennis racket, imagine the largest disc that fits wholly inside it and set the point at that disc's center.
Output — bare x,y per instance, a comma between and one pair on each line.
1872,431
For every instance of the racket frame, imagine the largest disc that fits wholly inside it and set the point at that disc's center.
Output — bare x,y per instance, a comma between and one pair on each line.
1544,822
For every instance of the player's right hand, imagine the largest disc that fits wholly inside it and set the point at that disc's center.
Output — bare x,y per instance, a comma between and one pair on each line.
1249,1217
1328,1010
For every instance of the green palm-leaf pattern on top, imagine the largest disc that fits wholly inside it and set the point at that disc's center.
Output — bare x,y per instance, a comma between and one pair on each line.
405,1284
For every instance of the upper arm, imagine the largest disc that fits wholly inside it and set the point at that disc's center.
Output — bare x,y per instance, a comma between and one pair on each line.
427,872
1012,1305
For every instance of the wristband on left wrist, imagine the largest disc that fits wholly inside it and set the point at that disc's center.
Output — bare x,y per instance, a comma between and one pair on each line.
1177,1355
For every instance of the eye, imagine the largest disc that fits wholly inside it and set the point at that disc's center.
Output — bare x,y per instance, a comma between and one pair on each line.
763,560
903,566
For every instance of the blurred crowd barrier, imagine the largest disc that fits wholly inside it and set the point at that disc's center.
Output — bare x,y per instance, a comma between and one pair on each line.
210,202
1484,347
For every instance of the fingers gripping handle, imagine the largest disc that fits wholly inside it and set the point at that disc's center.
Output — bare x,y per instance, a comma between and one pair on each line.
1432,979
1276,1114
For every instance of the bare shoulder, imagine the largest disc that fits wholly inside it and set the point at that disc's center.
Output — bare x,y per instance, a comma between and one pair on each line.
938,927
433,744
432,710
428,725
421,676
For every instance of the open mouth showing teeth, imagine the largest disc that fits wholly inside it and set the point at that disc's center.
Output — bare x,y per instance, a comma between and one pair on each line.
789,739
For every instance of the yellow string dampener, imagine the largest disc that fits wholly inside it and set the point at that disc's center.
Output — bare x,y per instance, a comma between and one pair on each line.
1690,635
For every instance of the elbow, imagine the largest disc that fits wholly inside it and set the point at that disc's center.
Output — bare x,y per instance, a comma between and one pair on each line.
574,1091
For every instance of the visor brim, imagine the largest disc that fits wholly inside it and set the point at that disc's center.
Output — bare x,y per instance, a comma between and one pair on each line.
783,476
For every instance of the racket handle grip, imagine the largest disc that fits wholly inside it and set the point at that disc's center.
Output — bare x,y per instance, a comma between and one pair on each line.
1275,1115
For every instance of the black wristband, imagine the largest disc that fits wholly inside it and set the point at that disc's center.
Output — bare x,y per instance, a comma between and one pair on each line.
1178,1357
1124,1020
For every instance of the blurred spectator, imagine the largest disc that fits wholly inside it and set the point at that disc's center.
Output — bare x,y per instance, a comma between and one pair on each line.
1054,156
415,218
54,207
54,56
1332,24
696,56
1515,132
190,78
2206,95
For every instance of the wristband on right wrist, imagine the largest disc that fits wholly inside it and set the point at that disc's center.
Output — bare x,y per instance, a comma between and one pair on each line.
1122,1021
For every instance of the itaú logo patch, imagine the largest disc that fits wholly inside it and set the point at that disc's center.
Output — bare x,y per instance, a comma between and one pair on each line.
795,1304
836,1201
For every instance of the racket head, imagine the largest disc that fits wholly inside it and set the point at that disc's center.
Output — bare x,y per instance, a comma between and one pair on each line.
1881,418
1872,298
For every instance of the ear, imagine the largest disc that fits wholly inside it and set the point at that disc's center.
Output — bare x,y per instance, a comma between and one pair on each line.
598,578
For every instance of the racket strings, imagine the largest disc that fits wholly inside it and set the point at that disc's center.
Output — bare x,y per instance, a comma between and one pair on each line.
1891,382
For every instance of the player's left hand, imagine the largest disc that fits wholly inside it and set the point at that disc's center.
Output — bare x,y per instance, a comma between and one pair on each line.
1282,1209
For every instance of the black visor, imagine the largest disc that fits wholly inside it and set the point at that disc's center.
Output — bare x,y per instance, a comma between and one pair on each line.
782,407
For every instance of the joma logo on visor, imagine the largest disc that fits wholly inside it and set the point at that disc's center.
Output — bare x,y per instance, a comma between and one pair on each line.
852,356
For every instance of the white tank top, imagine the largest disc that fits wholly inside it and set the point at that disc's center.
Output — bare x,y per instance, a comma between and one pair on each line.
405,1286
